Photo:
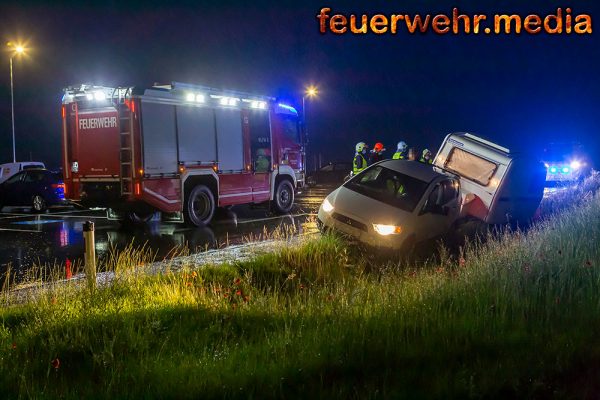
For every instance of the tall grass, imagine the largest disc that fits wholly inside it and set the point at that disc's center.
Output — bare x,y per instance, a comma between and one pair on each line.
516,315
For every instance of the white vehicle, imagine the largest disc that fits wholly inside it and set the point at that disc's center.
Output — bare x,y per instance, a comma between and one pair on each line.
497,186
397,203
394,204
9,169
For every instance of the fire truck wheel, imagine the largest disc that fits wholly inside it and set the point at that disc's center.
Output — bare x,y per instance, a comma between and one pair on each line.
200,206
38,204
284,197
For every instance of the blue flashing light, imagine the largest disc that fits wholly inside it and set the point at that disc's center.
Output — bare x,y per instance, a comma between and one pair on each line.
290,108
553,170
565,170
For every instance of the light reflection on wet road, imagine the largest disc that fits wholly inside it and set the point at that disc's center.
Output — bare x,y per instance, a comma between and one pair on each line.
28,239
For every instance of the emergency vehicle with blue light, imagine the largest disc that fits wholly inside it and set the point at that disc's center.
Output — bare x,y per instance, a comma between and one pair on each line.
180,149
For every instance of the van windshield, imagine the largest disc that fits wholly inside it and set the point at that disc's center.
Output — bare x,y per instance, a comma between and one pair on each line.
389,187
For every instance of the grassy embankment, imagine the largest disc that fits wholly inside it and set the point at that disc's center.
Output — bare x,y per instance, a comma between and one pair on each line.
518,316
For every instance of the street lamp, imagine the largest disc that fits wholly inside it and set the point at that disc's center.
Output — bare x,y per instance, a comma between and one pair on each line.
17,49
310,92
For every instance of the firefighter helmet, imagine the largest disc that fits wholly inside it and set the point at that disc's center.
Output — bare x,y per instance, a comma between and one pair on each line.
378,147
402,146
426,154
360,146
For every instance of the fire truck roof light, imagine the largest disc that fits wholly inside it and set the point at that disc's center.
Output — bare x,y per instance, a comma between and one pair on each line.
287,107
99,96
224,101
190,97
89,96
258,104
200,98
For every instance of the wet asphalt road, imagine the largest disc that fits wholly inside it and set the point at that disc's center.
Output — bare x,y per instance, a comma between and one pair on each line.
28,239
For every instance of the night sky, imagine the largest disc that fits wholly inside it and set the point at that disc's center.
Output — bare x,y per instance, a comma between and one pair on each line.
519,90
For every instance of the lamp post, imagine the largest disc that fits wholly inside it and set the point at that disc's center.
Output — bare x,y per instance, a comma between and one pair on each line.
17,50
310,92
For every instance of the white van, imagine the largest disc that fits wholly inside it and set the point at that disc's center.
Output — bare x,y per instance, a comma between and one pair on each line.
393,204
497,186
9,169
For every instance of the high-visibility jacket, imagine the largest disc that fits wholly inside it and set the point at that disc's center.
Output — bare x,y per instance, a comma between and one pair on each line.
359,163
262,164
394,188
424,161
398,156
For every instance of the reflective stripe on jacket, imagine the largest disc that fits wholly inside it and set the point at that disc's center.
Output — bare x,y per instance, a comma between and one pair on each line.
398,156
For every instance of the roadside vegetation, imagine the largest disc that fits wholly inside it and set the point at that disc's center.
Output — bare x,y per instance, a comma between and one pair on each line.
515,314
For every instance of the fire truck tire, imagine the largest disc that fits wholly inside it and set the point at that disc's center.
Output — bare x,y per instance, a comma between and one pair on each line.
38,204
284,197
199,206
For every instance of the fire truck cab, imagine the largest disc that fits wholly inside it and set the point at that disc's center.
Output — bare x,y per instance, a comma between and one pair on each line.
180,149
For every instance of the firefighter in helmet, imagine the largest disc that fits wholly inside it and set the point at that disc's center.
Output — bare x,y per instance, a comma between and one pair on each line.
376,153
262,162
360,162
426,157
400,153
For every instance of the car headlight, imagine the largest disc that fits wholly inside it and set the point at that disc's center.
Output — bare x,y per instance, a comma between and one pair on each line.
385,230
327,207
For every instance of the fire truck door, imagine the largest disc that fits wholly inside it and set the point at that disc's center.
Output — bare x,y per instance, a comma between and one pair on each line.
260,154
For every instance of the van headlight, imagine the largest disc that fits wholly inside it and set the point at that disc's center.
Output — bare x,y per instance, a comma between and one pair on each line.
385,230
327,207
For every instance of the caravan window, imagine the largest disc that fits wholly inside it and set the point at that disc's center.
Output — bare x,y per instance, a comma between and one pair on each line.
470,166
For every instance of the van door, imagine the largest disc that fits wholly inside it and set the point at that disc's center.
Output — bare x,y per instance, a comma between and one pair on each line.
440,210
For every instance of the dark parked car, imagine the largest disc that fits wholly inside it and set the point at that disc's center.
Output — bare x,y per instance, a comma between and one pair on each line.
39,189
332,173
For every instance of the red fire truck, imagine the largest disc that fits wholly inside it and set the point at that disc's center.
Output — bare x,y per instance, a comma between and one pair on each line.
180,149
